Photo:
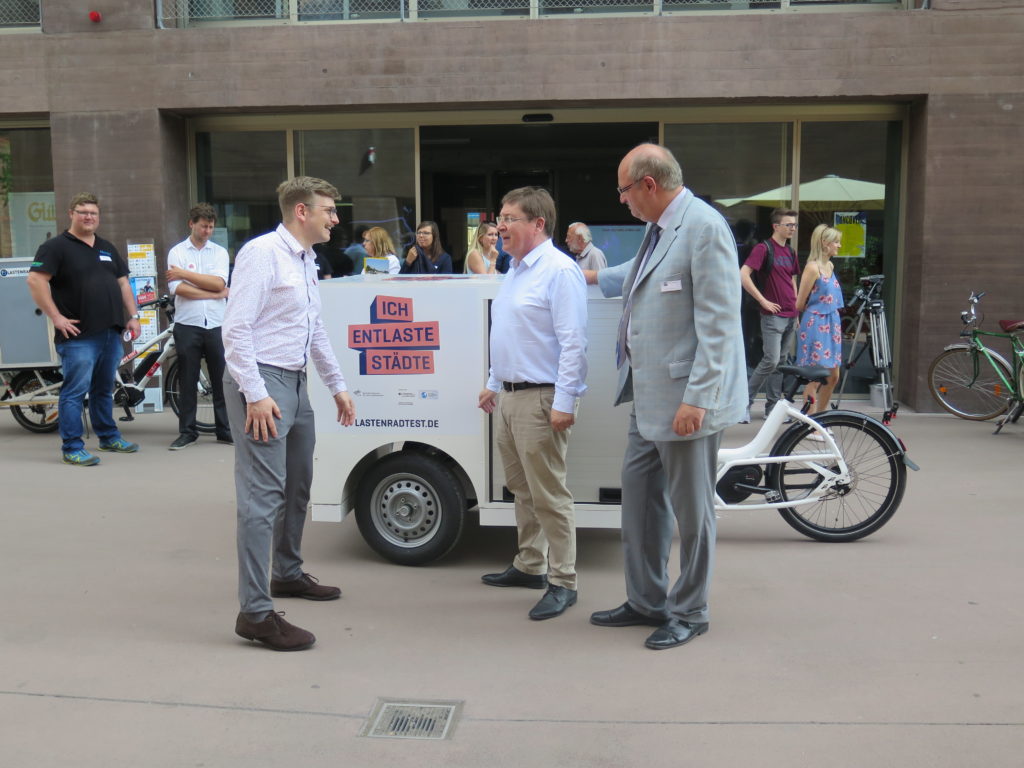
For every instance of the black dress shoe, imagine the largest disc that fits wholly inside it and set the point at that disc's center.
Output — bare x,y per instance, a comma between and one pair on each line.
624,616
513,577
675,632
554,603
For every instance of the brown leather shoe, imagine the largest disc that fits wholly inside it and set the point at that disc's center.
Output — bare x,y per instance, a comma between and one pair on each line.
274,632
306,586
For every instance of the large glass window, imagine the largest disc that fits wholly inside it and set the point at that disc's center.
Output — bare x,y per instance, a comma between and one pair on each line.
843,183
730,165
375,173
848,177
238,174
27,211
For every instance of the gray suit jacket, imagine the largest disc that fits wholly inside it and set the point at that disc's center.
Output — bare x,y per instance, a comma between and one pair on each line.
686,341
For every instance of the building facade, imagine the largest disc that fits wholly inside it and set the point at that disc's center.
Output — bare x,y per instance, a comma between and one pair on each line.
433,110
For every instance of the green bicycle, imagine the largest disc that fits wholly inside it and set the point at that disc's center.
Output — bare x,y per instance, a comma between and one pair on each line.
974,382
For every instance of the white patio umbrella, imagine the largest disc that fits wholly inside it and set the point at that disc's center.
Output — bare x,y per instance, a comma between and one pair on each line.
829,193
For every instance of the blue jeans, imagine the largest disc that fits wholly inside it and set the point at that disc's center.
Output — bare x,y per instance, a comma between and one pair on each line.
88,365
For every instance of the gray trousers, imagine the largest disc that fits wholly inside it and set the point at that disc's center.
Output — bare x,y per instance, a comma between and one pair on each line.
272,482
777,340
665,484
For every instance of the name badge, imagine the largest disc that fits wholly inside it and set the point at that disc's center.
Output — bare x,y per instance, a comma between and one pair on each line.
671,285
104,257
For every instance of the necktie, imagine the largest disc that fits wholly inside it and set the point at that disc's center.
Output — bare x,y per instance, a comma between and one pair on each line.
621,351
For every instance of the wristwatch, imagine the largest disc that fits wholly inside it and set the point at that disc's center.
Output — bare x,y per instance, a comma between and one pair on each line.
134,317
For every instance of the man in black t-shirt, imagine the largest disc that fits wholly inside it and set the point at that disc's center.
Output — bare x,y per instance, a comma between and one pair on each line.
81,282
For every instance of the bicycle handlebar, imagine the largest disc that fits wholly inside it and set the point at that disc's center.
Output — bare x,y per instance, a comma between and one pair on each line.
970,315
163,301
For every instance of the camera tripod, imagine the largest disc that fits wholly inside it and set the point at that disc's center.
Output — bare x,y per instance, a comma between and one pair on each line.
870,309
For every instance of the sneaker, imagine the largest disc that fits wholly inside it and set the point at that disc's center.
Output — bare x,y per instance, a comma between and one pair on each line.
274,632
225,440
183,441
120,445
746,417
80,458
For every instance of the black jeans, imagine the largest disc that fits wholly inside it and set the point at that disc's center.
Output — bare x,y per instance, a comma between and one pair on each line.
193,344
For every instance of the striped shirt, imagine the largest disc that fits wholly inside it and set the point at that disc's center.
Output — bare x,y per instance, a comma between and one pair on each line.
273,315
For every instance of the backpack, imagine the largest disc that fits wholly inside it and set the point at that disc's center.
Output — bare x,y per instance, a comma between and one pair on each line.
760,277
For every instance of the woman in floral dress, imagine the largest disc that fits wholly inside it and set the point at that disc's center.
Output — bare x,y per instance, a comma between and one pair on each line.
820,338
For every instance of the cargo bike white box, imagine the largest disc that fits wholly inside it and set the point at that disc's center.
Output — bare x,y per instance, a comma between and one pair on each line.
421,456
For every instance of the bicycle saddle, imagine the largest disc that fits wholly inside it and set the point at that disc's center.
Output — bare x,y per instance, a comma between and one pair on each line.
806,374
1010,326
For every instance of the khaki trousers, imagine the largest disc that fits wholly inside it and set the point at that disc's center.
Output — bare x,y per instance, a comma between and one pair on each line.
533,455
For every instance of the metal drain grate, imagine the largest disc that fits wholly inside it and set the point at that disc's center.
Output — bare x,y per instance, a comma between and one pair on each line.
406,719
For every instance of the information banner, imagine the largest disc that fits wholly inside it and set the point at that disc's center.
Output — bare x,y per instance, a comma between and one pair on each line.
412,351
854,226
142,259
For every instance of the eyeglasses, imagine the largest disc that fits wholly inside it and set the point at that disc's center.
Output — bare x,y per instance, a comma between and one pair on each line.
87,214
625,189
426,233
331,210
510,219
788,226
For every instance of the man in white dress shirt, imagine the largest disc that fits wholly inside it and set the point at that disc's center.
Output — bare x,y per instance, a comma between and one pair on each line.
197,275
580,242
272,329
539,365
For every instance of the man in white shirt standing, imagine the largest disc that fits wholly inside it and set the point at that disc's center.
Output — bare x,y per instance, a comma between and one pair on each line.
272,329
580,242
197,275
539,365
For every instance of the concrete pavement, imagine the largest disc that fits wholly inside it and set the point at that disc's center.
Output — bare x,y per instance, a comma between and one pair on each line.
117,645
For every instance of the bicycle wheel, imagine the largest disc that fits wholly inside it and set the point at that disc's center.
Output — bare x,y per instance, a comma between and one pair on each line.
878,478
953,384
205,423
35,418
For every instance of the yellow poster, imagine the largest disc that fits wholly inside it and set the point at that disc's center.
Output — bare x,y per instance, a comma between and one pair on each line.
854,226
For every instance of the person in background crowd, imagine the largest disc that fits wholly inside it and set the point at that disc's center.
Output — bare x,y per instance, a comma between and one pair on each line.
80,282
581,245
820,336
197,276
378,245
427,257
485,258
775,292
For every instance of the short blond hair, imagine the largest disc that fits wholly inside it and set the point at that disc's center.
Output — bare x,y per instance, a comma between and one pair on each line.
302,189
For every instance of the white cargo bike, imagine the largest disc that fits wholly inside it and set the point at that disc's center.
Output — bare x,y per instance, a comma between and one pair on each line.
421,456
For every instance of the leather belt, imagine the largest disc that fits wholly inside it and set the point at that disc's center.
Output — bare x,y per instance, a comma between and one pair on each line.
514,386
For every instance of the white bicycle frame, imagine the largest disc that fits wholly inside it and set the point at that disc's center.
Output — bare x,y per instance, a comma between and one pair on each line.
48,394
758,452
167,334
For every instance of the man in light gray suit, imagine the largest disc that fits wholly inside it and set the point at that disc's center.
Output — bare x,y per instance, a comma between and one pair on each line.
681,360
